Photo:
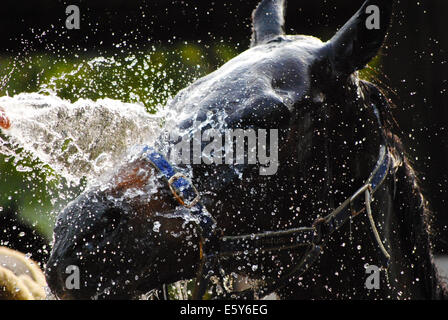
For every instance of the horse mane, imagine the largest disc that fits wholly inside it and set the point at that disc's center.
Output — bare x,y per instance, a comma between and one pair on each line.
410,201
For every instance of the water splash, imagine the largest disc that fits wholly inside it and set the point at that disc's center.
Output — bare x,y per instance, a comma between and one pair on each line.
83,121
85,138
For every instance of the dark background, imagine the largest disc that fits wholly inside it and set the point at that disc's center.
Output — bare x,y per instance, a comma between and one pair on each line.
413,69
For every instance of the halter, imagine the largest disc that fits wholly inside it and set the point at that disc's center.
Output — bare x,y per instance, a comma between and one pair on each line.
214,245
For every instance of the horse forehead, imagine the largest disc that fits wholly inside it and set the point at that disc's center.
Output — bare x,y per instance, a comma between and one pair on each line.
293,53
253,73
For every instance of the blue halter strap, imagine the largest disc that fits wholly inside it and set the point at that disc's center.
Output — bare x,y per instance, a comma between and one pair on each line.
183,191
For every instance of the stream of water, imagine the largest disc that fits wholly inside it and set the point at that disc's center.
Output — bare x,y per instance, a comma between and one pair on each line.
85,138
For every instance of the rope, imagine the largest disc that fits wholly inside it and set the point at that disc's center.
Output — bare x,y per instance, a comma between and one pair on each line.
20,277
372,224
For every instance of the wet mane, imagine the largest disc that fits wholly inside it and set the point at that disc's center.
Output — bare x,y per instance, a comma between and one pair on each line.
410,202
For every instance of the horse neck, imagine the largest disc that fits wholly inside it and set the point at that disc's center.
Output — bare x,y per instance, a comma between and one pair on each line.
409,232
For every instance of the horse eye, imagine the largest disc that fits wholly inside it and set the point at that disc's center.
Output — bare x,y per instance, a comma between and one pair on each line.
111,217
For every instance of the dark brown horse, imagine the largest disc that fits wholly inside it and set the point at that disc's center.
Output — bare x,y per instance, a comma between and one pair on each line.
135,234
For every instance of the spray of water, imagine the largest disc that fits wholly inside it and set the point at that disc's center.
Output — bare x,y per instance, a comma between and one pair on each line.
85,138
80,135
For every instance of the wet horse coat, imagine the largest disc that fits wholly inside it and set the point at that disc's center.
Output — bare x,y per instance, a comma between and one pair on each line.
131,235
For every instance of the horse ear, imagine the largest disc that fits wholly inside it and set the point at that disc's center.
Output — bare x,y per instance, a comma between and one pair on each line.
360,39
268,21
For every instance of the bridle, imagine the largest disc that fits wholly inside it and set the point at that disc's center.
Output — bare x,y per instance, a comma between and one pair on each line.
214,245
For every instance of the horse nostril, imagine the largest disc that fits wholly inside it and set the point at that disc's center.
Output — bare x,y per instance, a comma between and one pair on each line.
111,217
54,278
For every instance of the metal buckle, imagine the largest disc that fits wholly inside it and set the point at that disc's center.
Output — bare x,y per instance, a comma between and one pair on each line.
176,177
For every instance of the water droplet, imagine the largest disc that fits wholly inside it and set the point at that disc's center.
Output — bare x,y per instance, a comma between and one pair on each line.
156,227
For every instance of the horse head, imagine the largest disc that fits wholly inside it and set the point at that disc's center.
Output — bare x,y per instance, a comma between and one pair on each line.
131,235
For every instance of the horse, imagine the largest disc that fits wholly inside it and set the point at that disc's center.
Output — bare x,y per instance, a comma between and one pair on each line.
343,199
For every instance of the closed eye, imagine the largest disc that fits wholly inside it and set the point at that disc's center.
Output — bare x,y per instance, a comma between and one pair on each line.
111,219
